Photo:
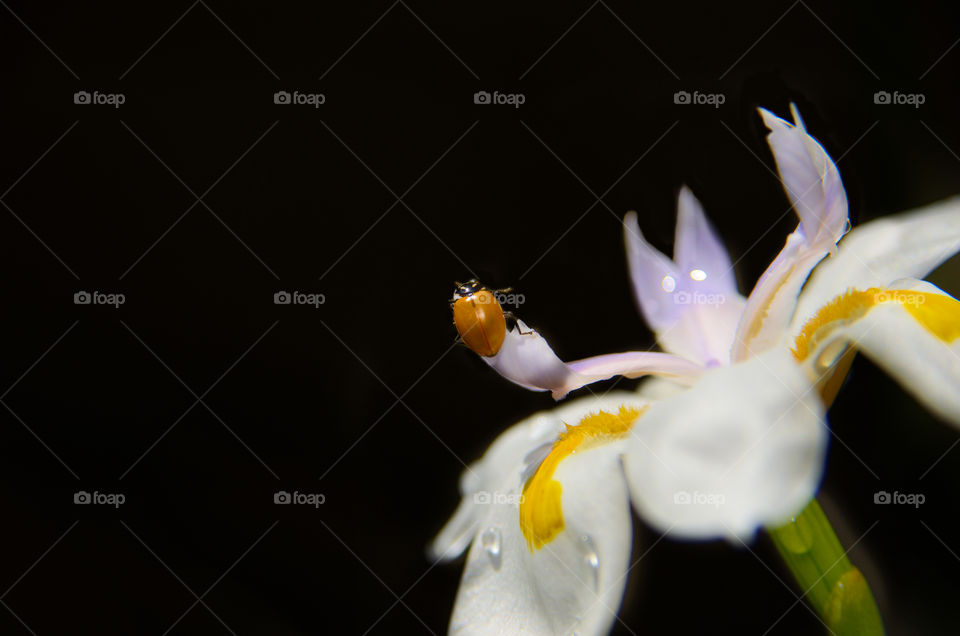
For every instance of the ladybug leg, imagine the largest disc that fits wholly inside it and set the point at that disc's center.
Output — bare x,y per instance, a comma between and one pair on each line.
513,317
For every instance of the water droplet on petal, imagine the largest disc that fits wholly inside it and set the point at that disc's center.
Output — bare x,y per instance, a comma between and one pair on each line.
698,274
490,541
830,355
668,284
591,561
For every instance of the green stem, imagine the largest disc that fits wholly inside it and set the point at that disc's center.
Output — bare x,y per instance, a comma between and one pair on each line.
832,585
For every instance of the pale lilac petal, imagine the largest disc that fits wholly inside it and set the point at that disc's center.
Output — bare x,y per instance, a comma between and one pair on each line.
698,252
813,184
655,278
705,331
694,314
810,178
526,358
634,364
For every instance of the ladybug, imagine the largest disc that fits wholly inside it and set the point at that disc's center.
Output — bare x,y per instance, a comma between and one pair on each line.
478,317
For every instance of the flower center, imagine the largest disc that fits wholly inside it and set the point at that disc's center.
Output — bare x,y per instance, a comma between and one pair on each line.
541,509
938,314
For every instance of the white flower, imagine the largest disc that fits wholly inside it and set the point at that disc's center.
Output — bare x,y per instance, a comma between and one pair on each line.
743,446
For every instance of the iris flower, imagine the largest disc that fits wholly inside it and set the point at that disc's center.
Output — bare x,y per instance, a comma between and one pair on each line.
731,436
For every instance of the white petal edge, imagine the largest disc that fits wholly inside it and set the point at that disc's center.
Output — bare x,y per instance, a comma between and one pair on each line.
743,448
505,459
907,245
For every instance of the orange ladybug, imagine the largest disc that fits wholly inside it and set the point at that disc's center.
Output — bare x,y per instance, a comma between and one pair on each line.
479,318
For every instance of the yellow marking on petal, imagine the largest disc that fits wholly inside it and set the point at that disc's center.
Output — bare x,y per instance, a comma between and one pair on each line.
938,314
541,510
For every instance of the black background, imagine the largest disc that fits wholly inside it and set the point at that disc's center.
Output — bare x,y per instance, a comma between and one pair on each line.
301,198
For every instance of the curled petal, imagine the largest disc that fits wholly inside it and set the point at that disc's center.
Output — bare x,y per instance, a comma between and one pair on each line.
742,449
912,331
813,184
810,178
526,358
908,245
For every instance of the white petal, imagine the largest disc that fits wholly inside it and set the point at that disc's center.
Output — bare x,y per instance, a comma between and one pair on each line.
908,245
698,251
925,365
528,360
505,459
742,449
772,303
574,583
813,184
